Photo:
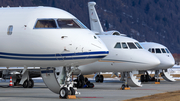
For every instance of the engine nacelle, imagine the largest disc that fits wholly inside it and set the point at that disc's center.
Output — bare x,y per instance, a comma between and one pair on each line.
112,33
109,33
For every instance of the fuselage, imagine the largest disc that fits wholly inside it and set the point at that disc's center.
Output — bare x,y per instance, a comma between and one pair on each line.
162,53
38,37
125,54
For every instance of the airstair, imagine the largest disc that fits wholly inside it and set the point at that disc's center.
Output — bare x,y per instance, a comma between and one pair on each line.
166,76
132,80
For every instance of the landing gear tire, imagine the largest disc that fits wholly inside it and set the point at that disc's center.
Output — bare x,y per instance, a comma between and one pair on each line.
90,85
157,80
101,78
26,84
63,93
86,79
142,78
17,82
80,81
72,91
97,78
153,79
123,86
31,83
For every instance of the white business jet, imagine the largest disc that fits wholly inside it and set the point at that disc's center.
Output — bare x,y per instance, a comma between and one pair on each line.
49,38
125,54
166,61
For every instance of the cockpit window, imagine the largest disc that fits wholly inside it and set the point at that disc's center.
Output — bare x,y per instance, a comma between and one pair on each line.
153,50
46,23
124,45
68,23
118,45
131,45
80,23
158,50
167,50
163,50
138,45
149,49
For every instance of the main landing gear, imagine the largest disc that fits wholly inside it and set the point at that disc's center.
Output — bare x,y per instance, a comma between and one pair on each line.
99,78
83,82
146,77
28,84
164,74
23,79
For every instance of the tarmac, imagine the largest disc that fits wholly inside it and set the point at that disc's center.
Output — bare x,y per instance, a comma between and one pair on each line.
107,91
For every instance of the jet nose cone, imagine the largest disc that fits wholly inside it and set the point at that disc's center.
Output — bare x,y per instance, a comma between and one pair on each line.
170,63
154,61
104,49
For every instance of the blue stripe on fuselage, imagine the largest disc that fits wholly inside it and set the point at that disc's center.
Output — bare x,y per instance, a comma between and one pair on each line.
53,55
66,58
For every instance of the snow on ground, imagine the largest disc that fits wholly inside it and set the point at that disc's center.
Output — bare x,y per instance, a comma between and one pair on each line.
174,70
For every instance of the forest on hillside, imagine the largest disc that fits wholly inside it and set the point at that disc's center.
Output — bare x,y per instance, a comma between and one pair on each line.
144,20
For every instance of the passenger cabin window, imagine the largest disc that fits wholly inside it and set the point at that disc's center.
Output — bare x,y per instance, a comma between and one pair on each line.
46,23
158,50
131,45
124,45
138,45
68,23
163,50
10,29
167,50
149,49
153,50
118,45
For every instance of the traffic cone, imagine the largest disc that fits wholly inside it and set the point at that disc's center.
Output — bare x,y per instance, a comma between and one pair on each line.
10,83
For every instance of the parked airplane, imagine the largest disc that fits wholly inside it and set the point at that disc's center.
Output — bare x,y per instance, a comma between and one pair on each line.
125,54
166,61
49,38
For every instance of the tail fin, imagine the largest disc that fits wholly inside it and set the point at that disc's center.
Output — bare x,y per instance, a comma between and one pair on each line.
94,19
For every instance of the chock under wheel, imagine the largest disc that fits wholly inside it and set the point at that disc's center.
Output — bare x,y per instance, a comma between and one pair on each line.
71,97
126,88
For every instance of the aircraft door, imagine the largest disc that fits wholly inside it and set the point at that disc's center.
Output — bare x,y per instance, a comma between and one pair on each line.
49,78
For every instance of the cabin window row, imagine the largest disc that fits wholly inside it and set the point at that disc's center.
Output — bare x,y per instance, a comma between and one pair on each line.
158,50
58,23
127,45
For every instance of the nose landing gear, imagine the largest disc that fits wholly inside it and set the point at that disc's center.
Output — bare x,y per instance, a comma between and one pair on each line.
60,84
